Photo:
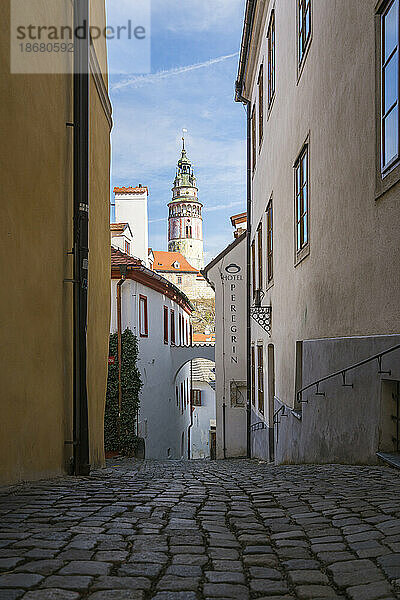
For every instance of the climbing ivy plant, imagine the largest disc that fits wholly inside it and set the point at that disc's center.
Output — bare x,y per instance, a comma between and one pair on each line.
131,384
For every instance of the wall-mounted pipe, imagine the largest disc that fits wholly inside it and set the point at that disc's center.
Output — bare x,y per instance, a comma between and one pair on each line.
119,334
81,237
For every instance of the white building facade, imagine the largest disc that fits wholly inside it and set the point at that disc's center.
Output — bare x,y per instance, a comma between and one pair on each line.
323,198
227,275
203,430
131,208
158,314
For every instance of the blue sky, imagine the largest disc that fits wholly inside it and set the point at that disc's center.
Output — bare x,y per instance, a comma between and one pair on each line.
194,57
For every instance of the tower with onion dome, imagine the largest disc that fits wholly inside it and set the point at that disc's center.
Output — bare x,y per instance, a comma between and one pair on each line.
185,223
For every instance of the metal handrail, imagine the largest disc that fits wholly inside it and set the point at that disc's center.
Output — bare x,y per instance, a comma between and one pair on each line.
343,372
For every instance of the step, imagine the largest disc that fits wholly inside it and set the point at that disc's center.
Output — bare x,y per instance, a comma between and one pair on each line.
391,458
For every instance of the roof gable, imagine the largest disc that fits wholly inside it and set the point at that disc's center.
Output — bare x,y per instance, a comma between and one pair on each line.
173,262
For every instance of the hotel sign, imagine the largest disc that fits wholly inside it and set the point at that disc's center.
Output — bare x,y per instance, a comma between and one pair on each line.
234,278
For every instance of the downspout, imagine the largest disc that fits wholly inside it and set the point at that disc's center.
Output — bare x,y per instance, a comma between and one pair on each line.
81,238
119,334
191,408
239,97
248,288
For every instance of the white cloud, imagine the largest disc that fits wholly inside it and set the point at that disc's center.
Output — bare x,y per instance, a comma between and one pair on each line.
141,80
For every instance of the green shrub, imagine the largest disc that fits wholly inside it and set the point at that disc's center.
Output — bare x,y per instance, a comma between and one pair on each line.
131,384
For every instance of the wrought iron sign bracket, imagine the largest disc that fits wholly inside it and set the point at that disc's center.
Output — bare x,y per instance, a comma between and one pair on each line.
263,316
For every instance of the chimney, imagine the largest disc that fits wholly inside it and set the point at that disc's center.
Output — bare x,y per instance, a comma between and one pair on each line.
131,207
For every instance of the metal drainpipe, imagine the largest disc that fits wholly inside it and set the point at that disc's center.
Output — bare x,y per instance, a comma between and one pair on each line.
248,251
81,238
191,408
119,330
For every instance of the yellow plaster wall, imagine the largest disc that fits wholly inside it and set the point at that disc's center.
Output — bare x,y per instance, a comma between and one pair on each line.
35,303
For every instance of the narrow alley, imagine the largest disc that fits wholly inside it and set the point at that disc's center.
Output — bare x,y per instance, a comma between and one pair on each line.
177,530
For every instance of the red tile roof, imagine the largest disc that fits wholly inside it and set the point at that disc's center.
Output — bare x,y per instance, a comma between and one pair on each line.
119,227
203,337
163,261
120,258
240,218
130,190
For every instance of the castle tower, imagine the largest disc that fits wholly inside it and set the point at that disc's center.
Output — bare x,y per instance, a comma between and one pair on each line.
185,223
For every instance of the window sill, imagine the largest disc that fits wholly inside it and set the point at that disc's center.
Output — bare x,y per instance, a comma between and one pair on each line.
301,255
270,284
384,184
270,106
300,65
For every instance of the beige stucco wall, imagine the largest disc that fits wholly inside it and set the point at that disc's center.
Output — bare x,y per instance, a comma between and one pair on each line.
348,285
35,303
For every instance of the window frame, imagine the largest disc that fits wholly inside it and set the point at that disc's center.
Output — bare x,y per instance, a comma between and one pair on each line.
127,247
254,138
383,64
260,84
260,379
271,59
172,325
304,250
270,242
253,266
253,375
145,327
196,397
166,327
260,262
301,59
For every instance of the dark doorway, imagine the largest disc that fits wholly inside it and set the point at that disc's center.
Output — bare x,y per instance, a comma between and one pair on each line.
213,444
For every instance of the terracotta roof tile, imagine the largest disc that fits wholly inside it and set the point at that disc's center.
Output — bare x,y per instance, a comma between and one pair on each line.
120,258
240,218
164,261
119,227
203,337
130,190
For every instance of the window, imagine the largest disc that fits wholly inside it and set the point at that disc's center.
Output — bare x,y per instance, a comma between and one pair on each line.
390,85
254,136
261,106
304,27
302,200
253,265
165,324
188,231
172,326
260,256
180,330
143,317
187,332
270,266
196,397
182,399
127,247
253,376
271,59
260,378
177,395
179,279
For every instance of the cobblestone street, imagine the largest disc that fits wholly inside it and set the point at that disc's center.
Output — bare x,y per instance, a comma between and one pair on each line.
196,530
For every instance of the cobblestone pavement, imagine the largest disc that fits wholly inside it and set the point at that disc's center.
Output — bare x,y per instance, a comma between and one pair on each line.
204,530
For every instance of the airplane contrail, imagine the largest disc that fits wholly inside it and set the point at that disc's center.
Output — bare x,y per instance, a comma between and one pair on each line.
140,80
